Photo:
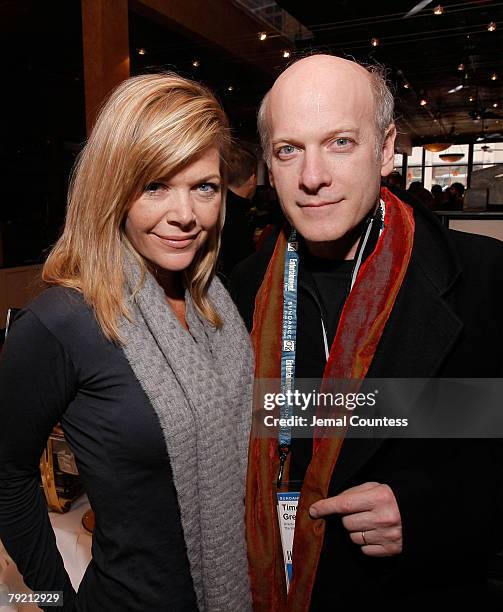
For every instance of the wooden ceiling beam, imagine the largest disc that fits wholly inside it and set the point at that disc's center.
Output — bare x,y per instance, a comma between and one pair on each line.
106,51
223,23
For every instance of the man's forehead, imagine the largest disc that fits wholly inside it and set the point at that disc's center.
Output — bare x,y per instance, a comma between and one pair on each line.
326,66
321,90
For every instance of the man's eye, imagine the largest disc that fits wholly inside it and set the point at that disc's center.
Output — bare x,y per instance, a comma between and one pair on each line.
286,150
208,188
343,142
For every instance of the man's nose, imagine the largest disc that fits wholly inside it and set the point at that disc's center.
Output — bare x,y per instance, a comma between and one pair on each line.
315,173
181,210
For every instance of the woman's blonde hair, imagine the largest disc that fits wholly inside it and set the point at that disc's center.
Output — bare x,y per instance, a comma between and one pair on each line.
151,127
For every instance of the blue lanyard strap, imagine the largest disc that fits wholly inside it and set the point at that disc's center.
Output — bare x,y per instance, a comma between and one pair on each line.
288,344
289,328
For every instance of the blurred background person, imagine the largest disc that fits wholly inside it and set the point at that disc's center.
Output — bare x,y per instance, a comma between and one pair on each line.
237,235
417,189
394,179
455,197
438,197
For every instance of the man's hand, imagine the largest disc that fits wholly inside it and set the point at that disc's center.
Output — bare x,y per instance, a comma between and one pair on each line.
370,514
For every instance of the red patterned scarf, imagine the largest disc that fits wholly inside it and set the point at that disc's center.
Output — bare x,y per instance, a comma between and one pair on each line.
360,328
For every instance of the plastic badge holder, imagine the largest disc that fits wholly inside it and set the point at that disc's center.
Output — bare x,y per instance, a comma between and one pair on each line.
287,496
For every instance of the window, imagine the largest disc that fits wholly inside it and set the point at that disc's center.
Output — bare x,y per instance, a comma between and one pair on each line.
436,170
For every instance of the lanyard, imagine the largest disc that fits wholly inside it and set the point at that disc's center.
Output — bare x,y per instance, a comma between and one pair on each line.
288,349
289,329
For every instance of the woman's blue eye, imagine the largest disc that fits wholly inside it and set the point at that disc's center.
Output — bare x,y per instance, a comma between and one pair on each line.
208,188
153,187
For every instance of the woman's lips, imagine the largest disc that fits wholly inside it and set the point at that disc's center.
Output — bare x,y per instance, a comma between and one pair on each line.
177,242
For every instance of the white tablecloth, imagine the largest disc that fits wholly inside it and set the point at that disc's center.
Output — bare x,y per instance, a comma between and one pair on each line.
74,544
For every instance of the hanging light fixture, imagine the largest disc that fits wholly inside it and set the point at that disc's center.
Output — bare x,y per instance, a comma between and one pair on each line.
436,147
452,157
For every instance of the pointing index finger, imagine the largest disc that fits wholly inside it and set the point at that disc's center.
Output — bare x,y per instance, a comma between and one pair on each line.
351,501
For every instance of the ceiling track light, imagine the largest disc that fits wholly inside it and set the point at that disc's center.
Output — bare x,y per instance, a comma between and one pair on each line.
461,67
196,63
375,42
142,51
286,54
494,77
438,10
491,26
423,102
262,35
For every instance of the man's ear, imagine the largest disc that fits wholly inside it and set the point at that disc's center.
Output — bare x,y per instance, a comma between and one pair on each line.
388,151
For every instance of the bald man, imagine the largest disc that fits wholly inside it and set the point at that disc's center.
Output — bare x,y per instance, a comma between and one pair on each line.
364,283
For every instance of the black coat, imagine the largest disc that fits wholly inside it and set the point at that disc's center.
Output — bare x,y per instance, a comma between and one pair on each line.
446,322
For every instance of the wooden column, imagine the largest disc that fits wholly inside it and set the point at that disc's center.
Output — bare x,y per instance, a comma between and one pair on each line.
106,51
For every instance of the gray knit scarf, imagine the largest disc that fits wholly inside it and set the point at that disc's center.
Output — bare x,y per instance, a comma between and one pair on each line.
200,386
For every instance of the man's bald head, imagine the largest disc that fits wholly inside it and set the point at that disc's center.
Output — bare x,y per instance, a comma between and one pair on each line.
306,72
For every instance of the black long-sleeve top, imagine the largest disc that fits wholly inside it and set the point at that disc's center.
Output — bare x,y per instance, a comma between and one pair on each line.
56,366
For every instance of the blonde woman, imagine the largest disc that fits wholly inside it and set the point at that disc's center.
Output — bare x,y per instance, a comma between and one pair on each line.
138,351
